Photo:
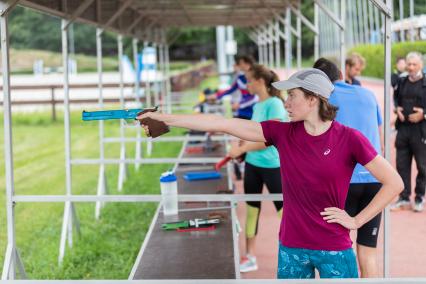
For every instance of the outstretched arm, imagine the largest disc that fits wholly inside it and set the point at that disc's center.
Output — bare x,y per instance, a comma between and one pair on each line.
241,128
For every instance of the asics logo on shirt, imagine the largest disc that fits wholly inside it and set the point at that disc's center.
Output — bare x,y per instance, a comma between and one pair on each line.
326,152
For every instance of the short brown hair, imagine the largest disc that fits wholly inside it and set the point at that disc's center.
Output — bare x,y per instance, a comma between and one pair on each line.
327,111
246,59
354,58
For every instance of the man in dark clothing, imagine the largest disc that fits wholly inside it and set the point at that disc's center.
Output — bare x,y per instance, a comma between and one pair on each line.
410,104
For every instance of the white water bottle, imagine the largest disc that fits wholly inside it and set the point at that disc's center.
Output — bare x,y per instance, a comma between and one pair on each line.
168,184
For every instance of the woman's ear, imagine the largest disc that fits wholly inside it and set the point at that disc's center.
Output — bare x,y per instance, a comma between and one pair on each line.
313,100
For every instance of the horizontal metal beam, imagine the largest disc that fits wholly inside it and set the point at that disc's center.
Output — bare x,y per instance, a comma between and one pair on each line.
239,281
146,161
6,7
282,35
294,32
168,139
267,33
80,10
280,19
149,198
123,7
304,19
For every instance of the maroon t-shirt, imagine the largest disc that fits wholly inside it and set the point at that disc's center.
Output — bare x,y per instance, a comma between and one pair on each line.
315,173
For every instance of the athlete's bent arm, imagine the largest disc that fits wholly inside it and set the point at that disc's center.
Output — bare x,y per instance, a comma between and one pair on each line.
392,185
241,128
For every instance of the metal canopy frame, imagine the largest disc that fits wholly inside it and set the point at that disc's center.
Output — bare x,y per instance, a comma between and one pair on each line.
138,20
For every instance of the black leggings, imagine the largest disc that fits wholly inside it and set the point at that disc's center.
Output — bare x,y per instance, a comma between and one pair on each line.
254,179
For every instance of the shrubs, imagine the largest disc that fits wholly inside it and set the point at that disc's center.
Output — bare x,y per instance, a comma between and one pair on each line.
374,55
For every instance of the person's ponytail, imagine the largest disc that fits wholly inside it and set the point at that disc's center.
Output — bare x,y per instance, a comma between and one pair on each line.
261,72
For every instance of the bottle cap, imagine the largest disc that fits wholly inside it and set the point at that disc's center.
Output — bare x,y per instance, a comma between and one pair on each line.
168,177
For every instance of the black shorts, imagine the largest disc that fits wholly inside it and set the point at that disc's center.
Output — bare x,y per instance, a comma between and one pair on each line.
256,177
359,196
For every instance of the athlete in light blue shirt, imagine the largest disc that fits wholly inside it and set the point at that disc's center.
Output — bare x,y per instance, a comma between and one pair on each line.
358,108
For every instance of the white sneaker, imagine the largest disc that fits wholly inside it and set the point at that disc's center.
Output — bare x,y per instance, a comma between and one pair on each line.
418,206
248,263
401,204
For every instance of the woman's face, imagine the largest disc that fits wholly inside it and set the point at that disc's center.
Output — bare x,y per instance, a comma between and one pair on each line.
297,105
253,84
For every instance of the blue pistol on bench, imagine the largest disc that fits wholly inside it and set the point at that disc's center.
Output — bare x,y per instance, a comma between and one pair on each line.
156,128
114,114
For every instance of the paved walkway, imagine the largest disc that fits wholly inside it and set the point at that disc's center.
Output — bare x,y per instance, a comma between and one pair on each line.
408,230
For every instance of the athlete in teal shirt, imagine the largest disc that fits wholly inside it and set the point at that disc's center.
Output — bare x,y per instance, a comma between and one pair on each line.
270,108
262,163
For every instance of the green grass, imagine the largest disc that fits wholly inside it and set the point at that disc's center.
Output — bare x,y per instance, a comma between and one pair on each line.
107,248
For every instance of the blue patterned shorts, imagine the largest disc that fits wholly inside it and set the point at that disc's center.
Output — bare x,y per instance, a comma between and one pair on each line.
296,263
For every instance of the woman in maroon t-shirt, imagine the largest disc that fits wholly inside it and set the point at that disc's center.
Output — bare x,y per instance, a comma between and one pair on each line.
317,158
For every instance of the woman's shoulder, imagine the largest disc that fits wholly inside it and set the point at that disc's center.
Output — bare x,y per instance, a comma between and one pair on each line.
345,130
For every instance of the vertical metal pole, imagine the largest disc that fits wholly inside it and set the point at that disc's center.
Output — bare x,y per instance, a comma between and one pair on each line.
160,74
299,39
136,67
401,16
9,261
138,99
221,57
411,17
122,166
331,33
235,233
288,41
164,71
355,18
148,99
271,44
168,86
359,21
386,225
371,20
230,57
66,107
342,36
162,67
265,48
349,28
259,48
147,91
155,77
68,218
261,59
365,20
101,178
377,24
316,38
277,45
